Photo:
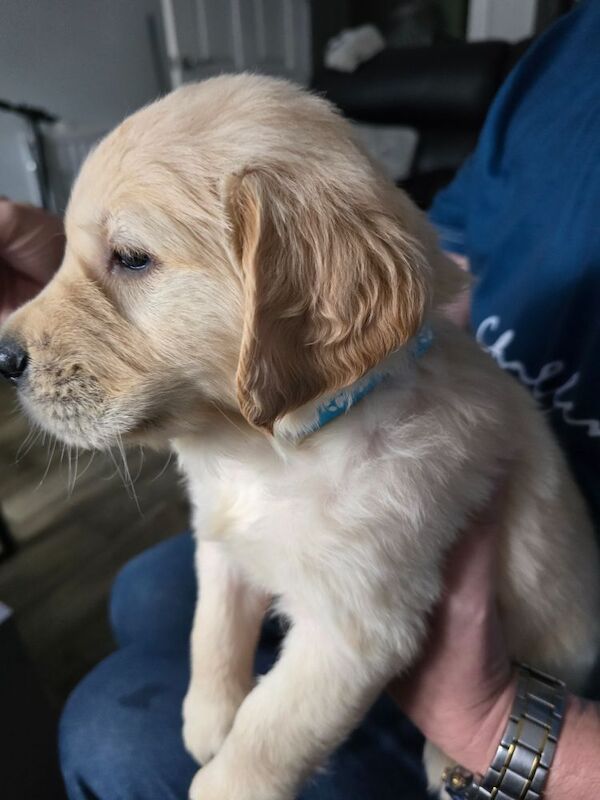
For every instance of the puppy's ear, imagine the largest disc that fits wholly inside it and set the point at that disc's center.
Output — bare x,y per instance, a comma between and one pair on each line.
332,286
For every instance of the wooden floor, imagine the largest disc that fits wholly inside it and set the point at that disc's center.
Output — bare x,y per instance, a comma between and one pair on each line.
72,545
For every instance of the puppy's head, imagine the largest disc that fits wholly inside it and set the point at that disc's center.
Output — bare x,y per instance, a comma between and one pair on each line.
229,247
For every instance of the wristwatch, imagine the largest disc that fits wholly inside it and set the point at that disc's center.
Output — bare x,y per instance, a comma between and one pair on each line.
520,767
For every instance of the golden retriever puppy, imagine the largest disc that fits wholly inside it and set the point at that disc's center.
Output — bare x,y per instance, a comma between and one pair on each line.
240,281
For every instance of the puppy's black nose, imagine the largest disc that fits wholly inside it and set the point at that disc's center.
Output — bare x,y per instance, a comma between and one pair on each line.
13,360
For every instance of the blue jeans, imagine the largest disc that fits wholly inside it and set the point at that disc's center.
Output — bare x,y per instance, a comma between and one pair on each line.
120,733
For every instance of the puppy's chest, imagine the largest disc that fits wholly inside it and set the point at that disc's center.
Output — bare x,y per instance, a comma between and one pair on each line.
272,525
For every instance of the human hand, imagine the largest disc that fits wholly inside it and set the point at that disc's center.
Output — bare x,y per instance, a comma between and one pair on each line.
461,691
31,248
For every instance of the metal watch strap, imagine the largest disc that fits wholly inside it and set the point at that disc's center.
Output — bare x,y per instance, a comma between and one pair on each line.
520,767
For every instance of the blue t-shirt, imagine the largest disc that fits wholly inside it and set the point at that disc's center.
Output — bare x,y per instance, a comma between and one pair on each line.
525,210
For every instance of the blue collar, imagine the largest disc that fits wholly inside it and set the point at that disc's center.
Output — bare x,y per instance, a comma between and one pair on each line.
343,401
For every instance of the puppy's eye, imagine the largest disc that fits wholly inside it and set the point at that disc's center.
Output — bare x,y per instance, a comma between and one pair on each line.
131,260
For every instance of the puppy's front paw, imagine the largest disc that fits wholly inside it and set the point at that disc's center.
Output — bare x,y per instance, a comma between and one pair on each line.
219,782
207,786
208,715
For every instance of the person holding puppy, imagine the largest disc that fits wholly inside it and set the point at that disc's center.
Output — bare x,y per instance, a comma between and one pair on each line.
522,214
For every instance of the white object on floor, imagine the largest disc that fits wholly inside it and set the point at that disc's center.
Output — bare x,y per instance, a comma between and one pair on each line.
352,47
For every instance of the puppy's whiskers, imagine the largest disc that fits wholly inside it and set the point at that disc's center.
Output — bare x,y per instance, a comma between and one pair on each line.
49,464
70,471
229,420
88,465
141,464
124,472
73,474
32,438
164,469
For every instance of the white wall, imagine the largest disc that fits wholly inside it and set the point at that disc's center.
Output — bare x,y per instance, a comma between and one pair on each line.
89,61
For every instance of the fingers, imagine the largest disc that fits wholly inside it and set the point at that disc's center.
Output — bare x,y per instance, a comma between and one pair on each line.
473,561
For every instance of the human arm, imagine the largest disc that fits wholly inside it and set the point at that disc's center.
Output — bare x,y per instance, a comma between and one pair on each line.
31,249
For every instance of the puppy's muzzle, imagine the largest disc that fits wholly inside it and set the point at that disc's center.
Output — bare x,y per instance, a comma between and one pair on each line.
13,360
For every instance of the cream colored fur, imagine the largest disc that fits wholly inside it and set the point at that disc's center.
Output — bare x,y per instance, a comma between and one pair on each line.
284,267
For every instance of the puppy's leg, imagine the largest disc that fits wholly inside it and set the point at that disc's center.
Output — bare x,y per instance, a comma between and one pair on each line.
224,636
295,716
